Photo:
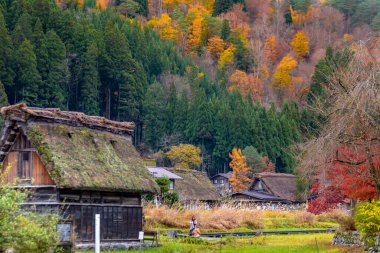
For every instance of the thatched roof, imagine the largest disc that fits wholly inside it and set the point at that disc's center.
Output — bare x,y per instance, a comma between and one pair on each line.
227,175
279,184
260,196
22,113
80,156
194,186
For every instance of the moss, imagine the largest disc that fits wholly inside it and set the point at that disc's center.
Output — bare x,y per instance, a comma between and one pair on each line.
85,158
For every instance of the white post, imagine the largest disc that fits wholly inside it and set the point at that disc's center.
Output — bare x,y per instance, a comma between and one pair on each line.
97,233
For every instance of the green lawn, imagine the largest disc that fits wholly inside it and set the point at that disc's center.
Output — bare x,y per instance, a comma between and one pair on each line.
265,244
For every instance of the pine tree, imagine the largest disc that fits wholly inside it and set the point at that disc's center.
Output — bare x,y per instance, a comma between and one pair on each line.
27,79
225,31
154,116
6,49
39,43
3,102
90,82
376,22
54,93
221,6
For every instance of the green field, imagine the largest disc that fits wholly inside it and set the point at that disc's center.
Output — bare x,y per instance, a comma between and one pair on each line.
265,244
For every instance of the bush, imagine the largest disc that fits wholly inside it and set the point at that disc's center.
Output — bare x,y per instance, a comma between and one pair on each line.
367,218
24,231
170,198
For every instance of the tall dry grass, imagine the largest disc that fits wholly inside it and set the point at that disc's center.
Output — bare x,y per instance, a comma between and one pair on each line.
217,218
230,218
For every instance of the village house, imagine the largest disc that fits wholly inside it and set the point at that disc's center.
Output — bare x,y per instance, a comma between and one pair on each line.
78,166
158,172
270,187
222,183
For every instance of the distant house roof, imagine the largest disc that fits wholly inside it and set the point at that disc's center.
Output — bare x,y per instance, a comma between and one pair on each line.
225,175
194,186
260,196
162,172
279,184
79,151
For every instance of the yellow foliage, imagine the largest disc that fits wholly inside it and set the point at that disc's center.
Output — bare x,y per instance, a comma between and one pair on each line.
166,27
185,156
215,46
240,170
200,75
247,84
270,48
282,75
242,33
347,37
226,57
194,35
300,44
264,72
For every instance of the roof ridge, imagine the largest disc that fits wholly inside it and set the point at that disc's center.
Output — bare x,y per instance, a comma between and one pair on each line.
21,112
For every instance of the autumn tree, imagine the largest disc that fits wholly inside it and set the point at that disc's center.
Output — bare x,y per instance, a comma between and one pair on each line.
193,42
239,179
227,56
270,49
300,44
248,84
345,157
185,156
282,76
215,46
166,27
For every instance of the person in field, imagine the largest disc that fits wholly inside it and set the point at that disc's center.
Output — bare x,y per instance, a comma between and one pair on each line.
193,225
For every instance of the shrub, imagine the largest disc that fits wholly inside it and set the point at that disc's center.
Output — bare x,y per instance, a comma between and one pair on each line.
303,217
24,231
367,218
170,198
347,224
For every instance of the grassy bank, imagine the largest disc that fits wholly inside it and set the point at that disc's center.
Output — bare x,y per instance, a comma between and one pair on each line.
264,244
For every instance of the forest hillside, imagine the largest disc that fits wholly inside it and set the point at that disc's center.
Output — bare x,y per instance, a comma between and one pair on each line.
217,74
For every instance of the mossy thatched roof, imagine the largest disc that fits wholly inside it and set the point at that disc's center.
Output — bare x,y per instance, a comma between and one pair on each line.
195,185
81,153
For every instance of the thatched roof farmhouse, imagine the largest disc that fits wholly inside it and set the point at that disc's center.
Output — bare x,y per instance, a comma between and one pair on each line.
79,161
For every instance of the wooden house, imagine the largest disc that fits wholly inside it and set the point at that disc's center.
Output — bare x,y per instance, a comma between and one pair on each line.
270,187
222,182
78,166
195,186
158,172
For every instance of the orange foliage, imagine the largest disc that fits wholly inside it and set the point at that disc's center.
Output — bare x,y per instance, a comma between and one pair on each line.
282,75
215,46
237,17
270,49
300,44
194,35
264,72
299,18
247,84
239,178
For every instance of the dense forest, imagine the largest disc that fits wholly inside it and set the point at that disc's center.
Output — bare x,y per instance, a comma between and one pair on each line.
217,74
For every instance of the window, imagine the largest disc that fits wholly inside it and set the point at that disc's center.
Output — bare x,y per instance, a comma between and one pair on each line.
215,181
221,181
24,169
171,186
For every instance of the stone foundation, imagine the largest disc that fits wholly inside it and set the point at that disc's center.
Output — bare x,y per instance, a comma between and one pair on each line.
350,239
113,246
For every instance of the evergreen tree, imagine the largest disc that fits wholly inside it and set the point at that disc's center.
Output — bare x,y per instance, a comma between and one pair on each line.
27,79
3,102
6,49
54,92
90,82
225,31
376,22
154,115
39,43
221,6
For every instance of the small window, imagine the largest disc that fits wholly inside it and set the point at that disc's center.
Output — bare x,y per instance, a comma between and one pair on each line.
221,181
171,186
25,165
215,181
